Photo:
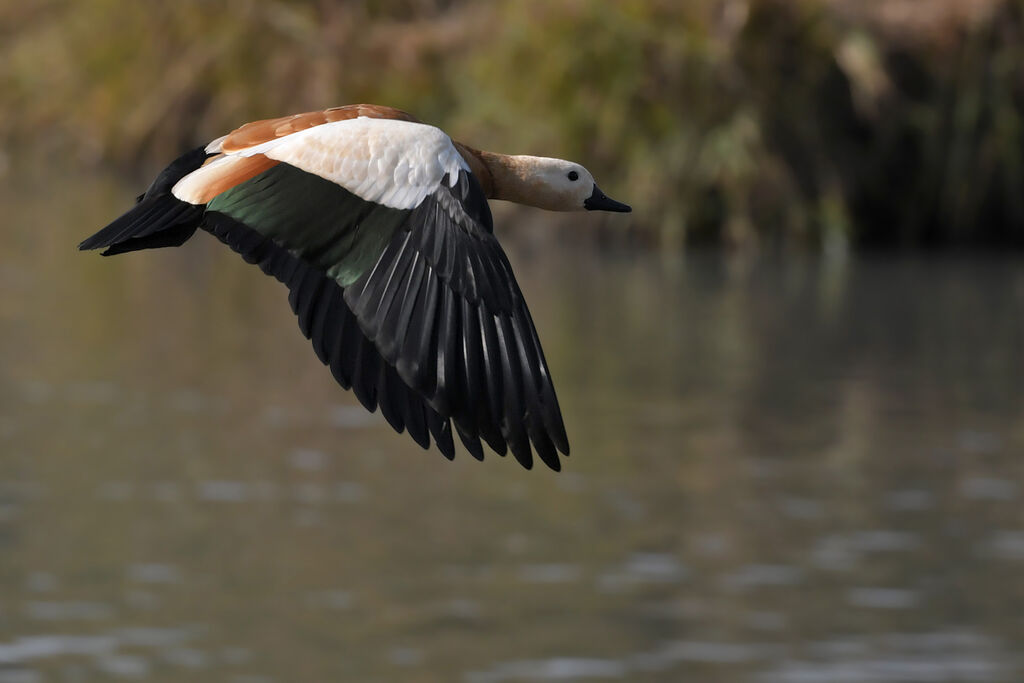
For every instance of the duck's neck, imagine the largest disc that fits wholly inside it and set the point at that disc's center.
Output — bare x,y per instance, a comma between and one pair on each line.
502,176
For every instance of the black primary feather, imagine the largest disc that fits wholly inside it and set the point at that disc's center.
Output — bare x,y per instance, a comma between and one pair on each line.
443,292
337,337
159,219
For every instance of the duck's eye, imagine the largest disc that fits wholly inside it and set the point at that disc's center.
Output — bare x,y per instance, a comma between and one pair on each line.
573,175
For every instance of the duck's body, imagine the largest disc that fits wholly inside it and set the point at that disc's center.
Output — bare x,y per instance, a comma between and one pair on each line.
380,228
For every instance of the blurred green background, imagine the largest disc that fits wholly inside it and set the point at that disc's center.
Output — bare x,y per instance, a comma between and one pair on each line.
749,123
797,422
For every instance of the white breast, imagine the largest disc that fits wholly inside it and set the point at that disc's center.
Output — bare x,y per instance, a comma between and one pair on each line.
394,163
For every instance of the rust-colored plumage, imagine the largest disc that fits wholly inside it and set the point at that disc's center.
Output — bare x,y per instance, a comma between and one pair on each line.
214,179
258,132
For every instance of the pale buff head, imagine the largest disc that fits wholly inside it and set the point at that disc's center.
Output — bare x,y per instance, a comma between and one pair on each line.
553,184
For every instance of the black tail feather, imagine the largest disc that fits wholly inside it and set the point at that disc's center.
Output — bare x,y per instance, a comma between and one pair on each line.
147,219
159,219
171,237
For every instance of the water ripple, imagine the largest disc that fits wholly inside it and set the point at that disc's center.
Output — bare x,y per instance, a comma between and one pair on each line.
882,598
644,568
153,573
123,666
989,488
1004,545
758,575
549,573
940,657
70,610
554,669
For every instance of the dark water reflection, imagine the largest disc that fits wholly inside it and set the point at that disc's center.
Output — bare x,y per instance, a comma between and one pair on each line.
800,471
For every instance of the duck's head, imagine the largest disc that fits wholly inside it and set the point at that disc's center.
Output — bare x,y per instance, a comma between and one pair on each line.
554,184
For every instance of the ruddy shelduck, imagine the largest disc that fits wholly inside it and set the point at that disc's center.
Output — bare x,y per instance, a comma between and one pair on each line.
379,226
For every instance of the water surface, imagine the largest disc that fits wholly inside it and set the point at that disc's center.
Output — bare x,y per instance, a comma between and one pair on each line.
796,470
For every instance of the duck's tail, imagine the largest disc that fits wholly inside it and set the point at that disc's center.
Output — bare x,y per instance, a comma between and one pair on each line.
159,219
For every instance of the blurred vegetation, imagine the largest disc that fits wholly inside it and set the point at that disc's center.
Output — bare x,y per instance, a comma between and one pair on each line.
751,123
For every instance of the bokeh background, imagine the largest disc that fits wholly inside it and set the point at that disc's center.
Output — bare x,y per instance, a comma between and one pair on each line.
792,377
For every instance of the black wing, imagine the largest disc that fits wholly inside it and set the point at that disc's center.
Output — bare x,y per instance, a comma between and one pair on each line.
441,304
417,311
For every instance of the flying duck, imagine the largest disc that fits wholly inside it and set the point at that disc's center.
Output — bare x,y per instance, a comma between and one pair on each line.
379,226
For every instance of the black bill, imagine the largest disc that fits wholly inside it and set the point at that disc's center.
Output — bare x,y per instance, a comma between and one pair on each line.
599,201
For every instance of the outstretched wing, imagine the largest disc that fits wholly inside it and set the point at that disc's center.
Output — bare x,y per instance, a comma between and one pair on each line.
442,306
385,240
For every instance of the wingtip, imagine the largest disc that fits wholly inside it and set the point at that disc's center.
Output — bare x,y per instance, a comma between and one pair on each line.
470,441
92,245
522,453
440,429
